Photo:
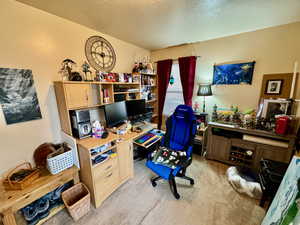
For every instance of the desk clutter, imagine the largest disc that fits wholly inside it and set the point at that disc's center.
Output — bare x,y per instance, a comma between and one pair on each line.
103,152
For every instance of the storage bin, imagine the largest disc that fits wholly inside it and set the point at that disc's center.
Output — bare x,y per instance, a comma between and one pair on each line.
77,200
58,162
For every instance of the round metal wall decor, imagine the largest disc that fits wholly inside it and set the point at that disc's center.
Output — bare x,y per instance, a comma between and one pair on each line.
100,54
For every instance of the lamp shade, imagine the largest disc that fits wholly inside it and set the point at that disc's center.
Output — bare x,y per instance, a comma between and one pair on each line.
204,90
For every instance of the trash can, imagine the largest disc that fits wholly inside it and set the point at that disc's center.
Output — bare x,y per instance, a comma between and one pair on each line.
77,200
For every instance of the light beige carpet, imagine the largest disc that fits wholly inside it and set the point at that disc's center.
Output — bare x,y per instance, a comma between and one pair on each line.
211,201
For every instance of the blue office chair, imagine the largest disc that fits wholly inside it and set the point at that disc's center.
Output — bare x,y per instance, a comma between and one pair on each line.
181,130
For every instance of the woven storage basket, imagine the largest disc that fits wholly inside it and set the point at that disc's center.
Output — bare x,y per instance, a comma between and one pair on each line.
77,200
57,163
9,184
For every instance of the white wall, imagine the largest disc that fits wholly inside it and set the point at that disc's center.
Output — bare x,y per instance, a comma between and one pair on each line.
274,49
33,39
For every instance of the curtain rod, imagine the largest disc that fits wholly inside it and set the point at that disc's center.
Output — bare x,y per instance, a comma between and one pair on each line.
197,56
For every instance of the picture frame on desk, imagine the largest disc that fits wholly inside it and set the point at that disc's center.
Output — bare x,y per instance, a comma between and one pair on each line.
273,107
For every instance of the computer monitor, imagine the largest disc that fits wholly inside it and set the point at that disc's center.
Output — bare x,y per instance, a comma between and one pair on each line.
115,113
136,107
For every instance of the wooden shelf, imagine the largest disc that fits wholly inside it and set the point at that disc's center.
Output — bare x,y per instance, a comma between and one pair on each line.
105,160
148,74
126,92
152,100
241,158
98,82
100,153
52,213
154,115
148,85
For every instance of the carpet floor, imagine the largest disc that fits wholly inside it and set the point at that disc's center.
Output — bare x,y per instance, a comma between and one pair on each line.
211,201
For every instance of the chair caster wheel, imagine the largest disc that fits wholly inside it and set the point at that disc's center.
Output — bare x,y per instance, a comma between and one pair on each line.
192,182
177,196
153,183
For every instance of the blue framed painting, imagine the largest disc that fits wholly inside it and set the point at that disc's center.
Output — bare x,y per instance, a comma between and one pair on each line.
240,73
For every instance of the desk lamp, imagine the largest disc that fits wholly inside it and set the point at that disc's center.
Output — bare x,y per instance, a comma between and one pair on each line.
204,90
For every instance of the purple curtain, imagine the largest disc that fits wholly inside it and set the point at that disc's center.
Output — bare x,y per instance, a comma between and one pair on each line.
163,72
187,67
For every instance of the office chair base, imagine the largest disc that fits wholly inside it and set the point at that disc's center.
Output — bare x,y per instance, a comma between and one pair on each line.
192,182
172,183
173,188
154,179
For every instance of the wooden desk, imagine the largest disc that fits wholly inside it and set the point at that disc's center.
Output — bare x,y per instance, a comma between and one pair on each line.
12,201
104,178
230,145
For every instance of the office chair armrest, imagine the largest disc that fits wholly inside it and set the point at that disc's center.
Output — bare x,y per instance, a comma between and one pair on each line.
187,162
162,141
183,165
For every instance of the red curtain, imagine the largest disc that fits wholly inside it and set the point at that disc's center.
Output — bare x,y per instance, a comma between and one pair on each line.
163,72
187,67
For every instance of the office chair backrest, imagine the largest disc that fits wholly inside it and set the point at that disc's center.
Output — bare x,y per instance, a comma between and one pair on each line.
181,128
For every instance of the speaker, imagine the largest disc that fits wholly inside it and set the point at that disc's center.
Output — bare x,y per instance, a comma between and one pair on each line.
81,125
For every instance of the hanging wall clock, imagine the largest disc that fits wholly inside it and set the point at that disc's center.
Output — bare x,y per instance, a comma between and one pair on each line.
100,54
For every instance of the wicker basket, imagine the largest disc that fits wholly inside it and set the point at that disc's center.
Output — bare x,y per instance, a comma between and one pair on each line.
77,200
59,162
10,184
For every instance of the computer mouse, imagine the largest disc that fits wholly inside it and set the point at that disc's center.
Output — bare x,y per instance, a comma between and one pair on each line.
105,134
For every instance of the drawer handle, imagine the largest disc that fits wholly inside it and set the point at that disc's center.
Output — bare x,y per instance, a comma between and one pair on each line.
109,175
108,167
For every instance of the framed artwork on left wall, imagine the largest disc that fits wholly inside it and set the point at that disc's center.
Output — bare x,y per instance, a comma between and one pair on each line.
18,96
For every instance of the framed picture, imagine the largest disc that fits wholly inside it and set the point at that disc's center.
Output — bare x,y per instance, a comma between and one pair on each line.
273,87
239,73
272,107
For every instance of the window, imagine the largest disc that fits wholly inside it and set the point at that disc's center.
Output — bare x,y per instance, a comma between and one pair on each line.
174,95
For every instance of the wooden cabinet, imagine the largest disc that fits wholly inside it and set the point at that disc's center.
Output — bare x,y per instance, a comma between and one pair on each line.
105,177
273,153
72,95
229,145
125,151
219,148
106,180
77,95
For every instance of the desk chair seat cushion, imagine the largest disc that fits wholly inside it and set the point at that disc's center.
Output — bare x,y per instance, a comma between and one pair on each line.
168,157
163,171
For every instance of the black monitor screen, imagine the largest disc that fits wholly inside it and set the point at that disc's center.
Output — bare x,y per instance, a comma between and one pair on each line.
115,113
136,107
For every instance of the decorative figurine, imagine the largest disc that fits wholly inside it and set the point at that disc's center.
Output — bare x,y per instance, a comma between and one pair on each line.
135,68
66,71
86,69
150,68
214,116
196,106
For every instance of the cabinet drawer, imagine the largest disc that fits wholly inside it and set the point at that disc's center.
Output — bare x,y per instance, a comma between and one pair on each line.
242,144
275,153
104,167
106,184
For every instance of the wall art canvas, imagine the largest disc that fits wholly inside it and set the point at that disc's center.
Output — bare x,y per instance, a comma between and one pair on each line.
18,96
284,209
240,73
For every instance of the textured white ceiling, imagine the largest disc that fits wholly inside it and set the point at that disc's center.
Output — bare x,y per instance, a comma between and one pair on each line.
155,24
